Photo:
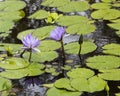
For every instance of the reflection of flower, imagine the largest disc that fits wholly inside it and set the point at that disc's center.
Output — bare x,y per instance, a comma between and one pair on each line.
30,43
57,33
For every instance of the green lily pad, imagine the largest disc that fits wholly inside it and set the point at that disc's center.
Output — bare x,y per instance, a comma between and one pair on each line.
49,45
80,73
106,14
12,5
40,14
10,13
55,3
113,74
33,69
13,63
5,86
103,62
81,28
74,6
5,25
73,48
71,20
66,85
41,33
112,49
42,56
91,85
108,0
58,92
14,47
115,25
101,5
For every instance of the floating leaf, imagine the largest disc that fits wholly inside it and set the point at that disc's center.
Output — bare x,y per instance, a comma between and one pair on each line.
5,26
42,56
14,47
113,74
14,63
71,20
49,45
115,25
108,0
57,92
66,85
103,62
73,48
91,85
81,28
33,69
5,86
41,33
74,6
55,3
101,5
12,5
112,49
40,14
106,14
80,73
10,13
52,71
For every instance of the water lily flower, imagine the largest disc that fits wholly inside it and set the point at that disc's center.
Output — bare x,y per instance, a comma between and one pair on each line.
30,43
57,33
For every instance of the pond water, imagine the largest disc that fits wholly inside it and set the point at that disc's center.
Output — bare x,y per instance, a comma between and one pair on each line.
102,35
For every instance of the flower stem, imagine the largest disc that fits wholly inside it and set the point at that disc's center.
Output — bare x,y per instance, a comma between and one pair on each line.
63,53
21,55
79,53
30,55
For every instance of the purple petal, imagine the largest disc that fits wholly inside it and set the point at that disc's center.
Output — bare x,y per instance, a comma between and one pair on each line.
57,33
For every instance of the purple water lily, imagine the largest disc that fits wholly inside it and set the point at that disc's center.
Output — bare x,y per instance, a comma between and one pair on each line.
57,33
30,43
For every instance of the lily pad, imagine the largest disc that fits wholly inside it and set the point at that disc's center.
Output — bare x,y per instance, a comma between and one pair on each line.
113,74
14,47
81,28
55,3
115,25
73,48
41,33
66,85
13,63
10,13
91,85
12,5
49,45
33,69
40,14
103,62
101,5
59,92
42,56
5,86
80,73
74,6
106,14
71,20
112,49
